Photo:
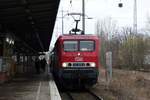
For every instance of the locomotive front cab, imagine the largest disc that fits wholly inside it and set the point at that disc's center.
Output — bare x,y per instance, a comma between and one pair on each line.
79,60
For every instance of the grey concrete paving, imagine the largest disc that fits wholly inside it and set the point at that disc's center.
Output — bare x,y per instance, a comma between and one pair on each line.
26,87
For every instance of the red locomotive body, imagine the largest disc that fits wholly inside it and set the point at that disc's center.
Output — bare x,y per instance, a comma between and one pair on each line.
76,59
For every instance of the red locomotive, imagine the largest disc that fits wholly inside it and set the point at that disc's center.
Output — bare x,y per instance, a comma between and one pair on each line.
75,59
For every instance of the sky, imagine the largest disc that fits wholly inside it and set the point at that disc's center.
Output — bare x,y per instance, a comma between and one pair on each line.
100,10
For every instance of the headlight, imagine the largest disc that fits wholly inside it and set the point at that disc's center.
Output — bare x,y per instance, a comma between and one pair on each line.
92,64
64,64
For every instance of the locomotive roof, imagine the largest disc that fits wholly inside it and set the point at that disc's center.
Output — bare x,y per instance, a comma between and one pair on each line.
94,37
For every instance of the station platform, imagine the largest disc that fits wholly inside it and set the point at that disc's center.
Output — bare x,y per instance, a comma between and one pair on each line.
30,87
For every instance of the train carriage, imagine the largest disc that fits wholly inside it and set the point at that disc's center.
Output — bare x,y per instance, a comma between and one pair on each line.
75,60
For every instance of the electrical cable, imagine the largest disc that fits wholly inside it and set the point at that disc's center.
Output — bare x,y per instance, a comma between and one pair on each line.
69,28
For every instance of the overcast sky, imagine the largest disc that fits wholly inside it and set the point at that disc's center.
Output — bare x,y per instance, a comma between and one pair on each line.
101,9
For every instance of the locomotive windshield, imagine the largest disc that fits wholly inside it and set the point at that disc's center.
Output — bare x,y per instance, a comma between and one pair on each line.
70,46
83,46
86,46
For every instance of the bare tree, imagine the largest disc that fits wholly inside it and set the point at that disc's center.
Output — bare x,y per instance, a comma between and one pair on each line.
105,29
128,49
148,24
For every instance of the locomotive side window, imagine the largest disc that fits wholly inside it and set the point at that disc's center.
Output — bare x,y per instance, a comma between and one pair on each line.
87,45
70,46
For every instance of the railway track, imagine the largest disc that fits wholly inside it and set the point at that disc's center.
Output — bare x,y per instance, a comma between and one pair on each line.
69,96
143,70
94,95
86,95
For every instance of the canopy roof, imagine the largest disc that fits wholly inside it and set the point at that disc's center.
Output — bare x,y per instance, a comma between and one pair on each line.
31,22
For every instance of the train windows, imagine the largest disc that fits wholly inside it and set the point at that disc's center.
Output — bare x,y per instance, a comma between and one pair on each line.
70,45
87,45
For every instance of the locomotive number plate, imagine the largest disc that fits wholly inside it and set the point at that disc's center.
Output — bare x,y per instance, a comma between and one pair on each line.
78,59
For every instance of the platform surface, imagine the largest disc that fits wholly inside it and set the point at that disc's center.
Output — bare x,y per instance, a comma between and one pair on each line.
30,87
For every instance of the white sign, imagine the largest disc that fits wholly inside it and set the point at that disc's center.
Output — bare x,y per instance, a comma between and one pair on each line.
109,65
109,59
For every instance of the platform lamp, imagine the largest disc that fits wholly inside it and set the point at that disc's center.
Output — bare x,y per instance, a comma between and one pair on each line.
120,4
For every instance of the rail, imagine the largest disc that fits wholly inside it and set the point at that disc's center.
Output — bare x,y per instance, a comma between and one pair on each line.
94,96
70,96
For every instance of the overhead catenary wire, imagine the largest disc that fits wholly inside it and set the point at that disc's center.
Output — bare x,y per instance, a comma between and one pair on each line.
68,29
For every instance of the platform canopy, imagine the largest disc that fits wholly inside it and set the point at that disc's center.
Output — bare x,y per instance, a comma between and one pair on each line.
30,21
